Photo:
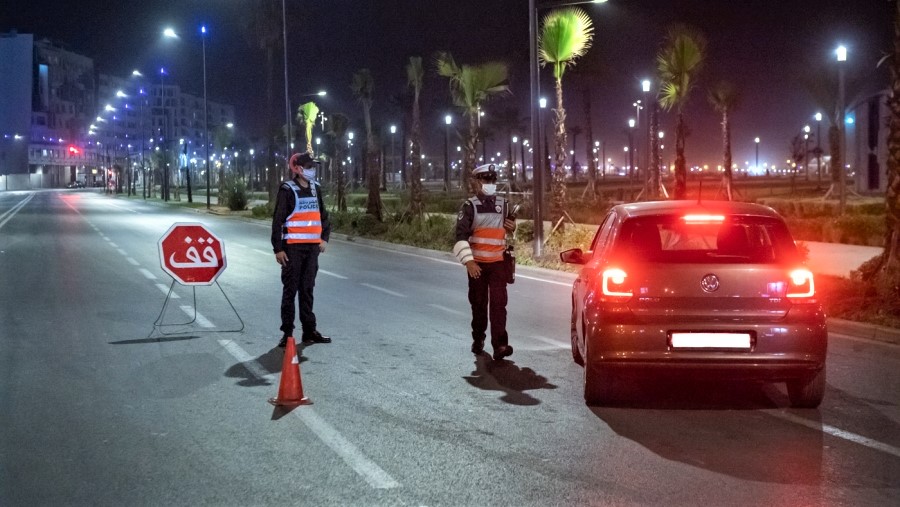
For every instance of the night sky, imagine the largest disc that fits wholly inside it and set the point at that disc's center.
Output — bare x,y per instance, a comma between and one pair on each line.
768,48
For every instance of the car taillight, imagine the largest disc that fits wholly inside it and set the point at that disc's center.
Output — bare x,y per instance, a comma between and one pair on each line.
616,288
801,288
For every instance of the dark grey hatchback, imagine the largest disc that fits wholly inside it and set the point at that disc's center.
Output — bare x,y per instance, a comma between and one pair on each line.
713,288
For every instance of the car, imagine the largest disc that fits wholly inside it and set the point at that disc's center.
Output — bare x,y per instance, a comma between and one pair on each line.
681,287
75,184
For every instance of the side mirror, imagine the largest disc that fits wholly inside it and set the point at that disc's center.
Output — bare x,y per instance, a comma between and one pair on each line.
573,256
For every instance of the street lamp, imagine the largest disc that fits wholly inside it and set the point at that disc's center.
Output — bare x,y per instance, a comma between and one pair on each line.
393,162
630,149
205,115
447,121
757,157
287,99
841,53
818,117
806,131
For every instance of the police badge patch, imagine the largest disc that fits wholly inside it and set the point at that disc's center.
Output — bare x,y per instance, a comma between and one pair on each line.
459,216
498,209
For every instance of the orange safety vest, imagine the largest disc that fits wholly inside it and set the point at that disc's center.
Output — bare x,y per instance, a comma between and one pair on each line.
488,239
304,225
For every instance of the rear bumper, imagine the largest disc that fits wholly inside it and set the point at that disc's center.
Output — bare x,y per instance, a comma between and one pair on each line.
778,351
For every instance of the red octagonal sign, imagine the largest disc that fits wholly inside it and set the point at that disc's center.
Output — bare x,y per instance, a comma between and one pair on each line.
191,254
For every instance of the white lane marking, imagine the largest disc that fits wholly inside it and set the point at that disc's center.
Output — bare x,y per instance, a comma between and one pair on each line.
329,273
448,310
123,252
382,289
564,284
869,341
372,473
121,207
569,285
105,238
550,341
836,432
238,244
165,290
113,245
149,275
132,261
189,310
15,209
264,253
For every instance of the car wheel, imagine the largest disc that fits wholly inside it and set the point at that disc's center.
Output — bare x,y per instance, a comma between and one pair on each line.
576,354
807,392
599,386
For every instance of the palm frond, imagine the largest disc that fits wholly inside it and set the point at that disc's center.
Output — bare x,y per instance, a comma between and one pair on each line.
566,35
724,96
414,72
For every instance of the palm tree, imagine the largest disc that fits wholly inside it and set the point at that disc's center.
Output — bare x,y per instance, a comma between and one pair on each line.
510,122
306,116
592,188
565,36
362,86
724,98
888,272
470,87
415,75
337,131
576,131
679,63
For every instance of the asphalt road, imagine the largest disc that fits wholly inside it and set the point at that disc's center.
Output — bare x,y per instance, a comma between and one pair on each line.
97,407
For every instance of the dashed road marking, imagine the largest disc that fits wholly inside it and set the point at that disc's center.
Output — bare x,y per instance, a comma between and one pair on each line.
113,245
366,468
550,341
203,321
836,432
329,273
123,252
264,253
147,274
382,289
132,261
165,290
448,310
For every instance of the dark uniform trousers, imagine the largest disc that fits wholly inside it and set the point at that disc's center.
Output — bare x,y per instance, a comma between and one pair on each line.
299,276
487,294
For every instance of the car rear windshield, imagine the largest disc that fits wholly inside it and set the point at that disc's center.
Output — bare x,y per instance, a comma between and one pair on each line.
732,239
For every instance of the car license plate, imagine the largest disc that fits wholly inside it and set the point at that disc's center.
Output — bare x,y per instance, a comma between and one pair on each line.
711,341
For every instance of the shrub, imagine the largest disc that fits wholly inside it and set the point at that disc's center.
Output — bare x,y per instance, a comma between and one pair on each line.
235,193
368,225
263,210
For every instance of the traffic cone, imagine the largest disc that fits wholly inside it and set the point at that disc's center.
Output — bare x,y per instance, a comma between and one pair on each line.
290,390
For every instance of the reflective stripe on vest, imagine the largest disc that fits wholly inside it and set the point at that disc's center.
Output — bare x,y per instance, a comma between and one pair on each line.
304,225
488,239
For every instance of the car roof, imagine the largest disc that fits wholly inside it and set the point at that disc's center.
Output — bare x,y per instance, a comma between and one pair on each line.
651,208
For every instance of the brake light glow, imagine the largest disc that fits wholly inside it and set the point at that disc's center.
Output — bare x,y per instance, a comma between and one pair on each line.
614,287
801,284
704,219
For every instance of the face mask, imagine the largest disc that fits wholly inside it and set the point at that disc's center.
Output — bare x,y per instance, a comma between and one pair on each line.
489,188
309,174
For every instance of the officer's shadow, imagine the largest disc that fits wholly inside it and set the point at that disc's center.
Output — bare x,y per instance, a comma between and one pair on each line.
507,377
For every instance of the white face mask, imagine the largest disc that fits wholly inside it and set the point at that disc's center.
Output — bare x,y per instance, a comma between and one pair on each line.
309,174
489,188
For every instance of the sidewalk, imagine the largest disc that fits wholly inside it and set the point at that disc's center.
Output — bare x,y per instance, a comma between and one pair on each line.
836,259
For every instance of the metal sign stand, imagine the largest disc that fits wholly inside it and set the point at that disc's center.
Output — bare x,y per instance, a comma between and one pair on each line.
158,325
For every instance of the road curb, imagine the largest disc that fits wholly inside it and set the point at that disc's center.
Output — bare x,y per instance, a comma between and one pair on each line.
863,330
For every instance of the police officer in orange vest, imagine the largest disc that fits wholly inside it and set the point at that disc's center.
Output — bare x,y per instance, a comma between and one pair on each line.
300,231
481,228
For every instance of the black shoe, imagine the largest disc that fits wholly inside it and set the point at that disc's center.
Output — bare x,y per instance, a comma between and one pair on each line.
315,337
503,351
477,347
283,343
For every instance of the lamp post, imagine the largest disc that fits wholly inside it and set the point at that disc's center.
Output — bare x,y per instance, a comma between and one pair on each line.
287,100
393,163
757,157
447,121
252,175
806,130
818,118
205,114
645,88
841,53
165,171
630,150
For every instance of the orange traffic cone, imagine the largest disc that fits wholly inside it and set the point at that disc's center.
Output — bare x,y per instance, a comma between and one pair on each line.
290,390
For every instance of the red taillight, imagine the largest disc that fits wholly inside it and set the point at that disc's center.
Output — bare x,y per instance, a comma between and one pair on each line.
703,219
615,286
801,287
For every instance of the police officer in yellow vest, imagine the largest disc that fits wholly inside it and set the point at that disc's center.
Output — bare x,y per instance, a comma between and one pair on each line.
300,231
481,228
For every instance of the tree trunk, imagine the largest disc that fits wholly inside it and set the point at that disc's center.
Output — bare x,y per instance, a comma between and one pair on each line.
592,157
837,161
471,144
726,142
680,163
558,182
416,202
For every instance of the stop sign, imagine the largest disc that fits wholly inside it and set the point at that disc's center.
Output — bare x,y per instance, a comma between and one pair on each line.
191,254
